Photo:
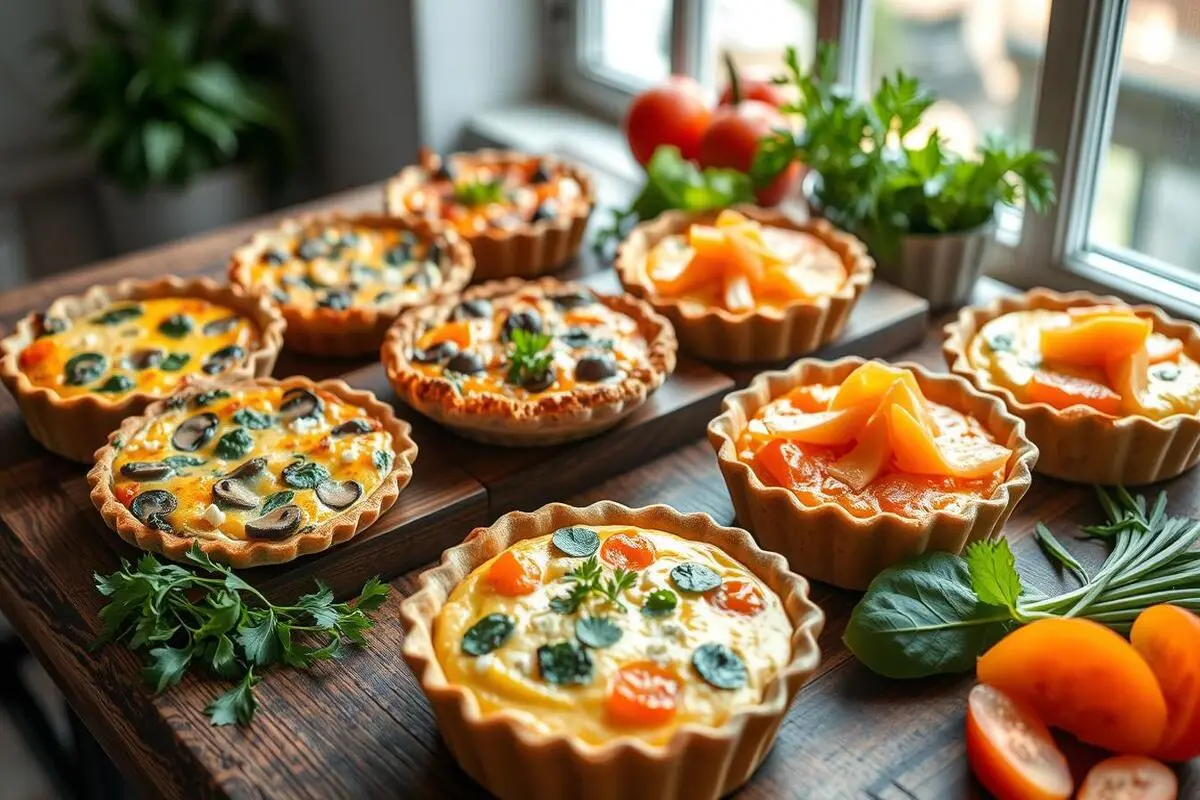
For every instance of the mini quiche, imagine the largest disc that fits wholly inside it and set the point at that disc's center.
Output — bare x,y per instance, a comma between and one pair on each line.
341,280
529,363
255,472
639,652
848,467
522,215
90,361
747,284
1110,393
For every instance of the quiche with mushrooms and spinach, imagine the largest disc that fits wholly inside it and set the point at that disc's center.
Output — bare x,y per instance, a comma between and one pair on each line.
88,362
529,363
341,280
258,473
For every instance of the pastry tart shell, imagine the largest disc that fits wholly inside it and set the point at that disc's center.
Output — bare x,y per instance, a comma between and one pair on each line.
515,763
554,418
354,331
526,251
826,542
73,427
1081,444
245,553
765,334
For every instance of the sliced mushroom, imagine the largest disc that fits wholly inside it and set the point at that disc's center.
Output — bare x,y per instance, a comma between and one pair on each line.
338,495
351,427
595,368
217,327
472,309
231,492
466,363
526,319
438,354
194,432
223,359
145,358
576,337
146,470
249,469
149,507
574,299
299,403
278,524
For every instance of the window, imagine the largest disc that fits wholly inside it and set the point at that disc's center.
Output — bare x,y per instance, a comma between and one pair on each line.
1111,86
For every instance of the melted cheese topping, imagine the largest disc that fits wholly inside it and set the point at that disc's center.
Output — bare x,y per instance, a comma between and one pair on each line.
808,469
300,453
145,346
510,678
588,344
525,191
1007,350
340,265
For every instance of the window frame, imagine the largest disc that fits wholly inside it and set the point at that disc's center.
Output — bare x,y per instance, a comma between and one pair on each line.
1074,110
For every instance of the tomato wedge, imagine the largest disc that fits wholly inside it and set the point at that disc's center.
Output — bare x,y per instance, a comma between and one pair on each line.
1129,778
1168,638
1011,751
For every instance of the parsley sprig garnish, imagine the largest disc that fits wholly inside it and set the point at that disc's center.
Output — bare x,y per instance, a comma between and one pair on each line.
529,356
588,579
213,620
478,193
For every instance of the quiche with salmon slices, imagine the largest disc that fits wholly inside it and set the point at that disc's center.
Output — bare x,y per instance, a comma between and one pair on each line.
254,472
641,652
522,215
341,280
848,467
88,362
529,362
747,284
1109,392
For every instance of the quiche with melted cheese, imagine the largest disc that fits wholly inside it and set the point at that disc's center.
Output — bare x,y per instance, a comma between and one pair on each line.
341,280
1109,392
604,644
529,363
256,473
88,362
523,215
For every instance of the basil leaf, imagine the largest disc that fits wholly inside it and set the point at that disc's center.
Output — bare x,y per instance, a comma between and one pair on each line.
487,634
176,326
254,420
660,602
720,666
922,618
597,632
304,474
204,398
116,383
693,577
234,444
576,542
276,500
174,362
565,664
115,316
382,460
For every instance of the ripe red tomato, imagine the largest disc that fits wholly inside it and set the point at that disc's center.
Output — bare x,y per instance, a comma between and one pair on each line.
673,113
1010,750
732,140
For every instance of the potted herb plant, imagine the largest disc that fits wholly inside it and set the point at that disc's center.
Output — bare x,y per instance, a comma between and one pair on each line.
182,106
926,212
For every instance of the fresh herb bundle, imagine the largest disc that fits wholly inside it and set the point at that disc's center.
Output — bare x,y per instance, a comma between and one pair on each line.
588,579
181,618
939,612
675,183
529,356
479,193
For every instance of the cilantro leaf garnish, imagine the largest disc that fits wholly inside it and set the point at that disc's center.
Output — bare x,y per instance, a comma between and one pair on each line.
588,579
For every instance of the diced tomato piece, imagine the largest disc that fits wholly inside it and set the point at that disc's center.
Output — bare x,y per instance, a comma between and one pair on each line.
513,575
125,494
628,551
643,695
36,353
1059,390
738,597
1011,751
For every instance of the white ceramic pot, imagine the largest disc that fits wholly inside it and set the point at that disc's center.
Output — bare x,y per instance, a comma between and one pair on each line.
941,267
210,201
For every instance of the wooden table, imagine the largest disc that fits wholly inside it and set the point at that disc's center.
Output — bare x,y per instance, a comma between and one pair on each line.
361,728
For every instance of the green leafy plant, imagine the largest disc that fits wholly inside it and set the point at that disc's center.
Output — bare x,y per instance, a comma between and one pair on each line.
878,185
212,620
178,88
479,193
529,356
940,612
675,183
588,579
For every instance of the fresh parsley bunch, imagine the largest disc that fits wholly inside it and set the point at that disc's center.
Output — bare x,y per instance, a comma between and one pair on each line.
529,357
940,612
214,621
871,182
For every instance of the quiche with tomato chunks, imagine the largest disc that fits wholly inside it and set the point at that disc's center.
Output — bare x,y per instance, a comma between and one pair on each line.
341,280
623,633
88,362
747,284
254,473
529,362
523,215
1109,392
847,467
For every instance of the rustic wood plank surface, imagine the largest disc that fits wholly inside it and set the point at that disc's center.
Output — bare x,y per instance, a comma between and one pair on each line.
360,727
